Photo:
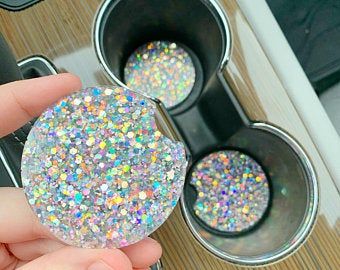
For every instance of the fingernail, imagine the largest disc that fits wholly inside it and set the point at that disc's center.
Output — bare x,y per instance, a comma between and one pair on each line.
99,265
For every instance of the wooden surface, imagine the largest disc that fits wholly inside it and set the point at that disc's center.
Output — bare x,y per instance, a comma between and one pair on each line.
61,30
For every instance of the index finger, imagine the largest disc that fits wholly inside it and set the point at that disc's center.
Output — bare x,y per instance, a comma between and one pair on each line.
21,101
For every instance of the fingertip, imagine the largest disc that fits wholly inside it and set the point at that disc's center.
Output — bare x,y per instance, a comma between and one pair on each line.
116,259
60,84
155,246
152,251
72,79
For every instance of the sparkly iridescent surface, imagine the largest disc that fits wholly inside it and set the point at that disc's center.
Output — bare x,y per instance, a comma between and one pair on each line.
163,70
233,192
97,171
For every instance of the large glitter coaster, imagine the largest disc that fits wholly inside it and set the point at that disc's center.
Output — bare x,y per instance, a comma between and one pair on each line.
163,70
97,171
233,192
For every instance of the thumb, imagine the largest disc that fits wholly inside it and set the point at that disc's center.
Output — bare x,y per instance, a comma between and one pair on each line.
71,258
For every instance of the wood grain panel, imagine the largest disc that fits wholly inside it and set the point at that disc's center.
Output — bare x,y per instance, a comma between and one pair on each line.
61,30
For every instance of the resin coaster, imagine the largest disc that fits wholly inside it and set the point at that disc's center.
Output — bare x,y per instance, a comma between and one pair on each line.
232,191
163,70
97,171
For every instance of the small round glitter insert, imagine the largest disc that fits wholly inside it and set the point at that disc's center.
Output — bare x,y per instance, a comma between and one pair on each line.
232,191
97,171
163,70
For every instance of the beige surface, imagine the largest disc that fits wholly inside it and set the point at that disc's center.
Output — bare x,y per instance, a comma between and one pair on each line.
61,30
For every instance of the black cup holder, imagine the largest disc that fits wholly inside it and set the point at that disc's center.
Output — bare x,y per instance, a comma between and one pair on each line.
189,23
210,119
293,203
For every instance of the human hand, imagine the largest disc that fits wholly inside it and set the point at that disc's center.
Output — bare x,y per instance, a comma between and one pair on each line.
24,242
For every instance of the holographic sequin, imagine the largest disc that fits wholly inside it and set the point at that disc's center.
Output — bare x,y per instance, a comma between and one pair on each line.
232,191
163,70
97,171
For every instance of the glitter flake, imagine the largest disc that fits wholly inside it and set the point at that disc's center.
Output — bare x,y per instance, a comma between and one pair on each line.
90,175
163,70
233,192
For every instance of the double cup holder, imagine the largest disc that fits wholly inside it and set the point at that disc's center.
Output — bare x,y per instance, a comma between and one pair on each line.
210,119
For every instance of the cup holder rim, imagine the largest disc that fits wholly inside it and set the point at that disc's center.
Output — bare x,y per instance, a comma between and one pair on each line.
97,23
305,227
213,5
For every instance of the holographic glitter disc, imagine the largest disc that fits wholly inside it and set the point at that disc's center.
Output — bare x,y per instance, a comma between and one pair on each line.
233,192
97,171
163,70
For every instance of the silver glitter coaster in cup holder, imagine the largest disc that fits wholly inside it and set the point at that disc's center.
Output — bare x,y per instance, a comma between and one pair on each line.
98,170
161,69
247,213
232,191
